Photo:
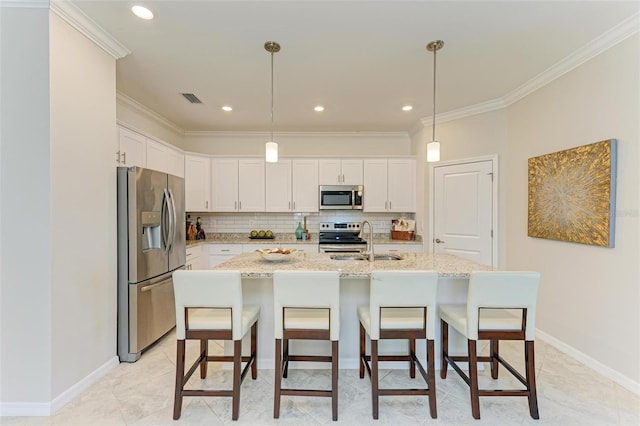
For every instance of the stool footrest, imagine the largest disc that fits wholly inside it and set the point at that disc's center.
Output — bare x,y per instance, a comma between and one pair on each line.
409,391
316,358
306,392
202,392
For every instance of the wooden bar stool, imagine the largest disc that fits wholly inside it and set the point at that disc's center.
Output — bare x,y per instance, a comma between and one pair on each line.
209,306
485,317
307,307
402,305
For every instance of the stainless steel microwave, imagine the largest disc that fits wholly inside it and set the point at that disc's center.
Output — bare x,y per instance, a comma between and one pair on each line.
341,197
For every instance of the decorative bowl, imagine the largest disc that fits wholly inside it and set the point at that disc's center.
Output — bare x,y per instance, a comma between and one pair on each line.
276,254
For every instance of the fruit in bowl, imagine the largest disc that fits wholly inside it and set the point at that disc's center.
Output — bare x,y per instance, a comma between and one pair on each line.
269,233
276,254
261,233
254,233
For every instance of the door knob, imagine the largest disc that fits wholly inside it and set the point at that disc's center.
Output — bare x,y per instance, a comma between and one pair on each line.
439,241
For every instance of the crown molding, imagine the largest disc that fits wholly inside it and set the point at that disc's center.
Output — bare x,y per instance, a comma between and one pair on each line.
615,35
89,28
465,112
148,112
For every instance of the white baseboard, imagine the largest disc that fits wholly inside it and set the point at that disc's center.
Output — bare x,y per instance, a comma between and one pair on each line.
21,409
595,365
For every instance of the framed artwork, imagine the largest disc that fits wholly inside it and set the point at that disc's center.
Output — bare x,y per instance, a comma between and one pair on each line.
572,194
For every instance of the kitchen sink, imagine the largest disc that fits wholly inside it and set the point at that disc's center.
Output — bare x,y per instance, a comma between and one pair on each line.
365,257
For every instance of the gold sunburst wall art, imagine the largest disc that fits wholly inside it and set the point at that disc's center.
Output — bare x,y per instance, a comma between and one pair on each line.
572,194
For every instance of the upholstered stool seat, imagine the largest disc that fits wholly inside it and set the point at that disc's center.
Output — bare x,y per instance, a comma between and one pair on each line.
209,307
402,305
306,306
492,300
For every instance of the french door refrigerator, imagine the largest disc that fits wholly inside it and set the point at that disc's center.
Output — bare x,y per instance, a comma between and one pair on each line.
151,245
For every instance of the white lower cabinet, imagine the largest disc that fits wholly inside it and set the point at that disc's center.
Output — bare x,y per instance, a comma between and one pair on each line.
398,248
194,258
219,253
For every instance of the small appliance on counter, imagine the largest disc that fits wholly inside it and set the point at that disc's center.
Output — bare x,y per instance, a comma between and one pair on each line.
403,229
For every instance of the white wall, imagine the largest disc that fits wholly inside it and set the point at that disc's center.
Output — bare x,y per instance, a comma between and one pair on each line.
589,296
57,222
25,194
83,200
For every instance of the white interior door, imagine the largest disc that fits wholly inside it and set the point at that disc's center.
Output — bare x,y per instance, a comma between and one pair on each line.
463,210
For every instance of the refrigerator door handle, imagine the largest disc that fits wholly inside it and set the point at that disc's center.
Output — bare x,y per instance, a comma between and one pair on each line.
174,219
164,218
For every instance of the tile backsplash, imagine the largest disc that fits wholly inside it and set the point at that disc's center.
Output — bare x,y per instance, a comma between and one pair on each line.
285,223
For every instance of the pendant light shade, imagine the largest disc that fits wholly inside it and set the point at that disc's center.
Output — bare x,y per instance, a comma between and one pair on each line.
271,152
271,147
433,147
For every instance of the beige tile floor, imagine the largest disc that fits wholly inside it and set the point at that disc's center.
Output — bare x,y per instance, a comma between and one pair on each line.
142,394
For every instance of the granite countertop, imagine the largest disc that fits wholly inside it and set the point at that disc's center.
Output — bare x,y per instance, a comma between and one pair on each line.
283,239
252,265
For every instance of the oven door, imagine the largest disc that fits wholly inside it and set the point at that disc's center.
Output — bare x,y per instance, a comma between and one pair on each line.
342,248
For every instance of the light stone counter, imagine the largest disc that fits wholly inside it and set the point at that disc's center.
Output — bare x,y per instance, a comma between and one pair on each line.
257,289
285,240
252,265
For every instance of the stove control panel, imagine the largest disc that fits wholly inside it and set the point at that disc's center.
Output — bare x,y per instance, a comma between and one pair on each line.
340,226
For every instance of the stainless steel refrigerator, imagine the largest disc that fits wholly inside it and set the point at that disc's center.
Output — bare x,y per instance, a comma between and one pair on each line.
151,245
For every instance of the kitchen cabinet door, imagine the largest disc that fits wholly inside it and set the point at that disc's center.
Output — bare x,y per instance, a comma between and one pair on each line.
352,172
175,162
251,186
390,185
197,182
157,155
375,185
335,171
329,172
401,184
194,258
305,185
132,148
278,186
224,184
220,253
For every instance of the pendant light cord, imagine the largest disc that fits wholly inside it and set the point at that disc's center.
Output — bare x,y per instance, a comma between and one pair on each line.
271,97
433,125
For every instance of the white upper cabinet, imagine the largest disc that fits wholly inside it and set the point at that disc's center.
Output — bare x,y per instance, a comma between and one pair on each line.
334,171
163,158
238,185
390,185
135,149
132,149
197,182
278,186
292,185
305,185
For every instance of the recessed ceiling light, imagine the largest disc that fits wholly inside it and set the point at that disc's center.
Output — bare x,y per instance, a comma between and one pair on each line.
227,108
407,108
319,108
142,12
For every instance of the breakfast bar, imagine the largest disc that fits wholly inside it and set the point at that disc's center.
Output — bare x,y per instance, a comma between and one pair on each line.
256,271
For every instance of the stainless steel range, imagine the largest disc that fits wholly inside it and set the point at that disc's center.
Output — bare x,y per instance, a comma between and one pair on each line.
341,237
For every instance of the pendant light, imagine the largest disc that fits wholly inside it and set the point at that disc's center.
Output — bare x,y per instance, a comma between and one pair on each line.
433,147
271,148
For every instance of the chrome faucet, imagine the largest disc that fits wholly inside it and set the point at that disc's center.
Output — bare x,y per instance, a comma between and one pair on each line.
369,240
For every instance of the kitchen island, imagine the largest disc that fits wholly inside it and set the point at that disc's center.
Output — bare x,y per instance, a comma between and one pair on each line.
453,279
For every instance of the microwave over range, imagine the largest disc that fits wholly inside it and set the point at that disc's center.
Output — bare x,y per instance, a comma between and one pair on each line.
341,197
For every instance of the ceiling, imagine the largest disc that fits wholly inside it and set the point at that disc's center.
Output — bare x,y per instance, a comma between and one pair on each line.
361,60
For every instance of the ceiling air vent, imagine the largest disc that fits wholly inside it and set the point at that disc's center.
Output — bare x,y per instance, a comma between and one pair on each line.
192,98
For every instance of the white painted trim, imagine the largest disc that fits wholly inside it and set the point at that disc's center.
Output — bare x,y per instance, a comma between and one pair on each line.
469,111
593,364
89,28
47,408
125,99
615,35
495,205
